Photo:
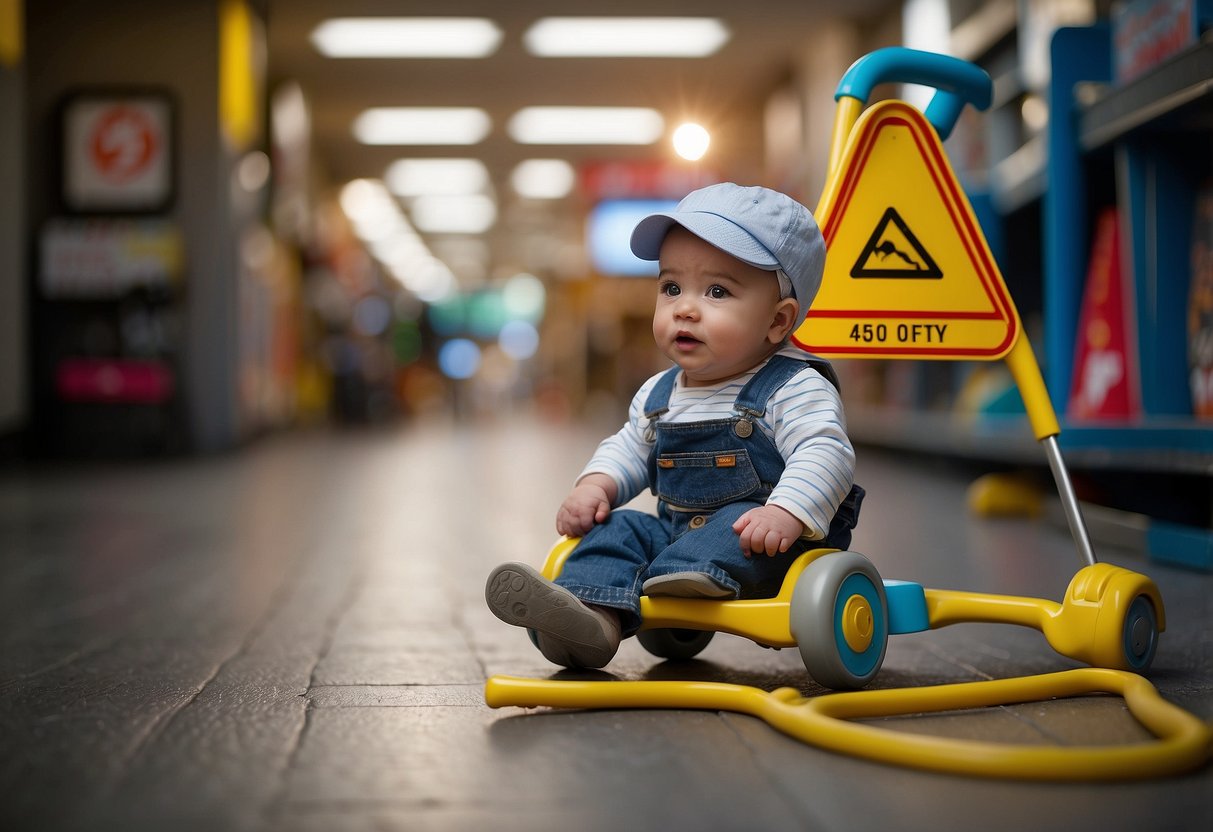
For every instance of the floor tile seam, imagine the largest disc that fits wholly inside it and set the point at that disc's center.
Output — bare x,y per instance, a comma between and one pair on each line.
158,725
1044,732
940,653
277,599
243,648
731,721
1007,710
274,805
465,630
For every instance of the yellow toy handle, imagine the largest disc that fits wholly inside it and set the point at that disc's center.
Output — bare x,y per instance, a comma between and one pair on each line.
1184,742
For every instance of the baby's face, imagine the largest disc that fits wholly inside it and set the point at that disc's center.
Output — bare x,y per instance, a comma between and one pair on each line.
716,316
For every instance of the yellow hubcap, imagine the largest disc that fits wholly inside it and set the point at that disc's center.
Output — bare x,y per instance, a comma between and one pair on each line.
857,623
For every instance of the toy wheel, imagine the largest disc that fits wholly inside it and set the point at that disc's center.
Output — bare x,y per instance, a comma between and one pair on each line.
839,617
1140,634
674,642
1126,617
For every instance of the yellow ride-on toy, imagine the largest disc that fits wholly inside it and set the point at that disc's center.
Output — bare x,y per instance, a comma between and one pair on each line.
837,610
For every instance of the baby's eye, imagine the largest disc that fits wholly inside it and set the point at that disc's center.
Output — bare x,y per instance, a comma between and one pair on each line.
717,292
669,289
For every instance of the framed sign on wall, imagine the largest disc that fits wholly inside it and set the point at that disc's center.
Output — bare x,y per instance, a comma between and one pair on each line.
118,152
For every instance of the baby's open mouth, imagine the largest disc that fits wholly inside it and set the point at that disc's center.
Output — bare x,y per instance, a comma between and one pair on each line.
684,340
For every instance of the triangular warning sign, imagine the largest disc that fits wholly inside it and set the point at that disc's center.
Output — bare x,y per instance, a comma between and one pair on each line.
894,251
908,272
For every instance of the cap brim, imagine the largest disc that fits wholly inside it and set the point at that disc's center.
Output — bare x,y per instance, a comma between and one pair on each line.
727,236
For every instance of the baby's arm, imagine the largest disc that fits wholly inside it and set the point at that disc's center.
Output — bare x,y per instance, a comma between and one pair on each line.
616,473
819,460
769,529
588,503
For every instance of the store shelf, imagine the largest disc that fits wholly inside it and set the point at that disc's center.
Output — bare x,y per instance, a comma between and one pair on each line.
1176,446
1171,90
997,439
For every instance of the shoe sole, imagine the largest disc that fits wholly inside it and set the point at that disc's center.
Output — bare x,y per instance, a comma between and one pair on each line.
687,587
520,596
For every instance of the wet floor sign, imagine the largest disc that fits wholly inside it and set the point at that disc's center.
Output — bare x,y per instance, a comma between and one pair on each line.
908,271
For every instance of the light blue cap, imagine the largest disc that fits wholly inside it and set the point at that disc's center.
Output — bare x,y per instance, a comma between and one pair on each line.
759,226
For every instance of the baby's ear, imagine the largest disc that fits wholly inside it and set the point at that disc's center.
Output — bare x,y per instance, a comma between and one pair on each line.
785,318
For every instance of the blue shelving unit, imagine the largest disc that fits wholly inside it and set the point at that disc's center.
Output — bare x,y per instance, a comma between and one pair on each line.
1152,135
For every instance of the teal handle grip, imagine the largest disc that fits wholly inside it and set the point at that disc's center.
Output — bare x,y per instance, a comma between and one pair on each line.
956,82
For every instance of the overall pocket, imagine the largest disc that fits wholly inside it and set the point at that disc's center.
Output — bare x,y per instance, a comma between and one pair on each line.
705,479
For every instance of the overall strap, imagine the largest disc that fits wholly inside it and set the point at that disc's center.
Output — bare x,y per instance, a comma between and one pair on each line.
752,400
658,401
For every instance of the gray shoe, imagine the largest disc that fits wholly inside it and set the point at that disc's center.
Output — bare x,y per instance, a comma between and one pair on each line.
687,585
568,632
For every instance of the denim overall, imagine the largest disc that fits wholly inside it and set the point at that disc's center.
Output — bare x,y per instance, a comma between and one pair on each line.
705,475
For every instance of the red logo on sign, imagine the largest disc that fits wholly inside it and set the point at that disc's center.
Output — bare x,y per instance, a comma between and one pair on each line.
123,143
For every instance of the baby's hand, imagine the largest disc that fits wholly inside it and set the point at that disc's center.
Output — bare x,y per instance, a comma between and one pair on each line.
587,504
769,529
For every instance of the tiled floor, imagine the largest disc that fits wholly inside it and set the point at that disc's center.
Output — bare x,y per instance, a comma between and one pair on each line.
294,637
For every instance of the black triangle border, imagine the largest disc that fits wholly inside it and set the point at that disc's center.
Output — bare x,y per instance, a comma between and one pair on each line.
932,272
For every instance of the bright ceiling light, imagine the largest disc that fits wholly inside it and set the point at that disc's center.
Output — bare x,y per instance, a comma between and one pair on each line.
422,125
472,214
365,201
586,125
625,37
379,223
543,178
418,177
691,141
406,37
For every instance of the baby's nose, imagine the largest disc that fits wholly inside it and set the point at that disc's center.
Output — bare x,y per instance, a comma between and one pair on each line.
686,307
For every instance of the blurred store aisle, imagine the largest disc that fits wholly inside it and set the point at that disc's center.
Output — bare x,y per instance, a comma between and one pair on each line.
294,637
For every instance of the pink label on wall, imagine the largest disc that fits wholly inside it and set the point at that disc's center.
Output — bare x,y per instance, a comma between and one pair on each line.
113,380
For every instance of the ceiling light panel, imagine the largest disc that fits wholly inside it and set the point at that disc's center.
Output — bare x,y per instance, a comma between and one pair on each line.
586,125
419,177
406,37
472,214
625,37
543,178
422,125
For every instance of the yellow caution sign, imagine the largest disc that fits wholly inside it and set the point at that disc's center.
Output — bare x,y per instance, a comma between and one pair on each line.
908,272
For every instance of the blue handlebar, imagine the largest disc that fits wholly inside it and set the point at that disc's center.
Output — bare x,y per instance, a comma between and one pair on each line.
957,82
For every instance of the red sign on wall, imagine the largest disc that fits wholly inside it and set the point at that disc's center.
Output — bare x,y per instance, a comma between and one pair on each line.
117,153
642,179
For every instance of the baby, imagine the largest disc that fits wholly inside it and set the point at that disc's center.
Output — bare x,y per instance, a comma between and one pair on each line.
743,441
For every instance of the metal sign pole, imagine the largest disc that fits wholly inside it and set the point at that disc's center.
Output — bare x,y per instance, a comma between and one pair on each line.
1069,501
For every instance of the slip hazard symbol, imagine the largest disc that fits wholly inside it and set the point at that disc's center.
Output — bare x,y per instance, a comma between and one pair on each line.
908,271
894,251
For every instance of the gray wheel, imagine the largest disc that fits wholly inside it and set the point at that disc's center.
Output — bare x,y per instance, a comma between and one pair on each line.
839,617
674,643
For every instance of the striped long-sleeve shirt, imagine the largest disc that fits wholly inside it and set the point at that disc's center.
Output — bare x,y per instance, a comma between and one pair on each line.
804,418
